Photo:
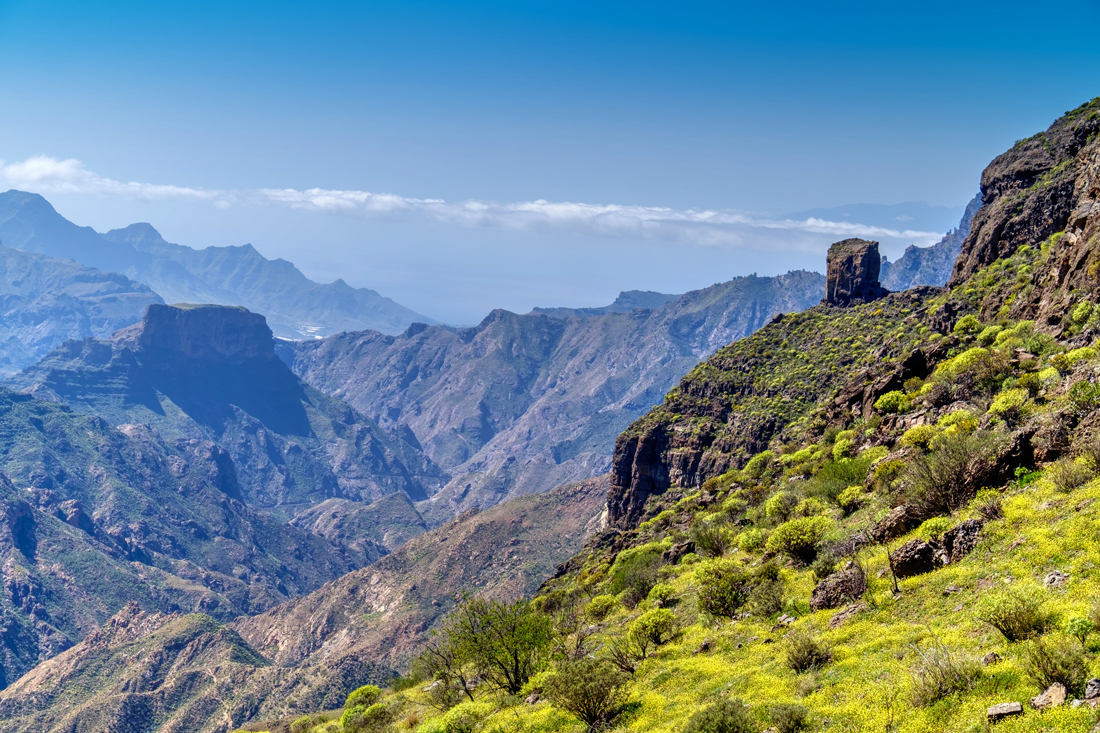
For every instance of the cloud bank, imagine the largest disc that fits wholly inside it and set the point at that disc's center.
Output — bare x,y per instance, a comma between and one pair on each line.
46,175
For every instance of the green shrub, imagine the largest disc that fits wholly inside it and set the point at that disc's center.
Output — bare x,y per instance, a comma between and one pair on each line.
1081,312
843,448
303,724
851,499
809,507
789,717
932,529
933,479
1009,402
1066,475
989,334
806,652
367,718
724,716
967,324
751,540
662,593
723,588
918,436
1017,612
1085,397
1060,660
759,463
712,538
593,690
600,606
941,672
892,403
800,538
657,625
1080,628
365,695
634,573
780,505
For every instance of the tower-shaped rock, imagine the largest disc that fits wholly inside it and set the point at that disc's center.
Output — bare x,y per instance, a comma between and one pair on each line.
852,274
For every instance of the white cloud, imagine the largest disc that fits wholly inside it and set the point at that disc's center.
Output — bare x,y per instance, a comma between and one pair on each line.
706,227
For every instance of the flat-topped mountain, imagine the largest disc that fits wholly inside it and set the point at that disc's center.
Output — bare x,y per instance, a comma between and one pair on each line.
522,403
210,373
295,306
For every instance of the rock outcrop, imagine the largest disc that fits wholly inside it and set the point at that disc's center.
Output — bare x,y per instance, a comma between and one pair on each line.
852,273
209,332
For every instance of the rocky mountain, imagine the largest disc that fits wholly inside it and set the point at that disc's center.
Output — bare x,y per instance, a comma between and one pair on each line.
522,403
45,302
295,306
211,373
627,301
93,517
930,265
170,672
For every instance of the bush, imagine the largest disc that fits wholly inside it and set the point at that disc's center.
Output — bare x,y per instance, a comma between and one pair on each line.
932,529
1066,475
1080,628
724,716
892,403
780,505
1016,612
657,625
1009,402
967,324
941,672
723,588
303,724
751,540
634,573
919,436
662,594
600,606
367,719
823,566
989,334
593,690
948,478
1056,661
759,463
843,448
851,499
767,597
1085,397
713,538
366,695
805,652
800,538
1081,312
789,717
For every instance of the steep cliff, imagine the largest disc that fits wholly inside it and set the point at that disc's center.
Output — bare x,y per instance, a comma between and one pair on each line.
852,270
210,373
519,404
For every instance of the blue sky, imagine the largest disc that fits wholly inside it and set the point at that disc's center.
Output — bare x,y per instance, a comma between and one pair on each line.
745,110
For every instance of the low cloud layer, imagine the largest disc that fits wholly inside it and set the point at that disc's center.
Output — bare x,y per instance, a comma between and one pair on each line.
45,175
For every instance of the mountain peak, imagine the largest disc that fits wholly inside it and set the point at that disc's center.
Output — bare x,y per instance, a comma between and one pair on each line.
210,332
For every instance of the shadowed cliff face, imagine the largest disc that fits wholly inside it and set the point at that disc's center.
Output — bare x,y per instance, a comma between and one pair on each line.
852,269
210,372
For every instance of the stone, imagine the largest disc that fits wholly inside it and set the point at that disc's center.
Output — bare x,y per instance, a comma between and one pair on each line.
1092,689
1052,697
899,521
674,554
852,272
915,557
1055,579
991,658
1004,710
960,540
704,647
842,618
532,698
834,591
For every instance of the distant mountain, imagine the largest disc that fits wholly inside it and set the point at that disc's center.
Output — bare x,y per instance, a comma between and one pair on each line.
627,301
929,265
45,302
915,215
169,672
522,403
295,306
211,373
93,517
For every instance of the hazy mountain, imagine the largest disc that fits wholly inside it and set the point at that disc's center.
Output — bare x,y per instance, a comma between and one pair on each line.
296,307
45,302
929,265
210,373
523,403
627,301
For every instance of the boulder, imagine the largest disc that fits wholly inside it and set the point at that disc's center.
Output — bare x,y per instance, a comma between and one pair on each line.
899,521
852,271
839,588
1092,689
1055,579
960,540
1004,710
916,557
842,618
674,554
1052,697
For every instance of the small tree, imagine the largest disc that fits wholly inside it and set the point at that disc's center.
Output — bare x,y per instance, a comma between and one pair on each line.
507,642
591,689
723,588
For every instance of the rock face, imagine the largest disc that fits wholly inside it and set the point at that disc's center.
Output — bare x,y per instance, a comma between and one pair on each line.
852,273
960,540
210,373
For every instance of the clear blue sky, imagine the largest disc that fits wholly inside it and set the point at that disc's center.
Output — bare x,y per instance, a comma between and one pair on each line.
758,109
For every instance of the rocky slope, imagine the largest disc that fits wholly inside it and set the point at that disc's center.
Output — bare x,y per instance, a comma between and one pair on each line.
295,306
519,404
210,373
92,517
45,302
145,672
930,265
